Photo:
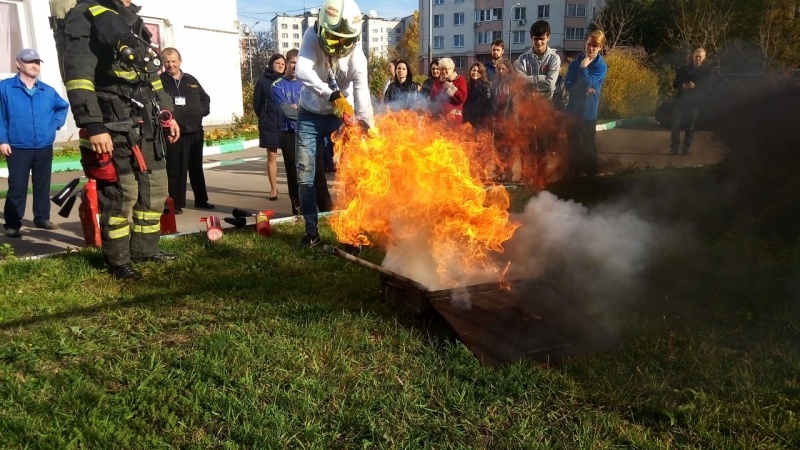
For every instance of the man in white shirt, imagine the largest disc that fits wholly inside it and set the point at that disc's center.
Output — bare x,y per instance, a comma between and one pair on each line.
332,68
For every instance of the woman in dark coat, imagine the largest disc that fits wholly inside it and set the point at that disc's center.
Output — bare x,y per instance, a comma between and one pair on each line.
403,92
268,122
427,85
478,107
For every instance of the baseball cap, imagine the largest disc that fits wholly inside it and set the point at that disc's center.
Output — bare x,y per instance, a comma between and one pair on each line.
28,55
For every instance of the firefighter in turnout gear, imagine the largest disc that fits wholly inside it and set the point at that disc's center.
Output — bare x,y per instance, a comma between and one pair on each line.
111,74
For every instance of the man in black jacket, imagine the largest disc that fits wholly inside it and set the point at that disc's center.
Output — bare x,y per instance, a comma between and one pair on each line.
689,81
117,98
191,105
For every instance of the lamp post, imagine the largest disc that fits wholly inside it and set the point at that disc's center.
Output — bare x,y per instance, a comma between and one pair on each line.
430,33
246,33
510,24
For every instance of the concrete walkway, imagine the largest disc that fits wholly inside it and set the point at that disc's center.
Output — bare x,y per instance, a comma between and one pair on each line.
234,180
239,180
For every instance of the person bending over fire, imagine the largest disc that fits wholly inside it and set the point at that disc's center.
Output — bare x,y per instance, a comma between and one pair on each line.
332,67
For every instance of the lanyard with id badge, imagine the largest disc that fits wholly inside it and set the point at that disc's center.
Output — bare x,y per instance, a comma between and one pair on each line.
179,100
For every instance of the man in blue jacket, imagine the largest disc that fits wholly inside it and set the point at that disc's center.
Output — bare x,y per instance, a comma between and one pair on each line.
30,114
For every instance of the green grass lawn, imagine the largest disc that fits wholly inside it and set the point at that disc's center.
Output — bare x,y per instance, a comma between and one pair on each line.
249,343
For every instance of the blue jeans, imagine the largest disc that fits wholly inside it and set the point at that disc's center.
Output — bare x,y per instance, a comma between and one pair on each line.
328,156
312,129
21,163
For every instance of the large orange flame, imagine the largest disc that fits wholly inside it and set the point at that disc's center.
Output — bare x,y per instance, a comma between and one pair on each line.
414,179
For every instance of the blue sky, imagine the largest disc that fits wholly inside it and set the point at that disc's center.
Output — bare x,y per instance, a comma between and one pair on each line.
251,11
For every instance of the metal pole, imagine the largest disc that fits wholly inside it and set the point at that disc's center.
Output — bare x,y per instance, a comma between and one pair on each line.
510,22
510,19
430,33
250,59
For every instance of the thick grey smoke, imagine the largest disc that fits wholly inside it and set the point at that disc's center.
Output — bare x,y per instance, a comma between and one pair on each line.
598,253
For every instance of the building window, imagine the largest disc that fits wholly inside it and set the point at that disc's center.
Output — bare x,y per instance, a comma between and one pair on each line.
575,34
460,61
458,1
12,37
295,35
496,35
518,37
398,30
155,31
520,13
458,18
497,13
483,37
438,20
458,40
438,2
374,39
284,35
295,26
285,45
543,12
438,42
284,26
576,10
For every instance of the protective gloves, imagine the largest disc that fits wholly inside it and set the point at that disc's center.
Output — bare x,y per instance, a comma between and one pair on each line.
341,107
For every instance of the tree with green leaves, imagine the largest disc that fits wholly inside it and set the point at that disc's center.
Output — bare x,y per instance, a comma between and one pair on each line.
376,71
408,48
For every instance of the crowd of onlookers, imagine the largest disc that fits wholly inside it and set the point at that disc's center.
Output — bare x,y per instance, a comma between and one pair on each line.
491,98
484,99
494,93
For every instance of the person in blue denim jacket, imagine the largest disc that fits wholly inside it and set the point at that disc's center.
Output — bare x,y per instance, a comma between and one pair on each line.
30,114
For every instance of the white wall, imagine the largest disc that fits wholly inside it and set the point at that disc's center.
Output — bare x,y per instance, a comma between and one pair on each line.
207,38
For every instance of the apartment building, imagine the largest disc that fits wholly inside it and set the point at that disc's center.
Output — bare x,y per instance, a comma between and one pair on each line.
377,34
465,29
287,31
380,35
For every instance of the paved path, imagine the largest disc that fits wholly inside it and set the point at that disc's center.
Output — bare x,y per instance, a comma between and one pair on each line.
239,180
234,180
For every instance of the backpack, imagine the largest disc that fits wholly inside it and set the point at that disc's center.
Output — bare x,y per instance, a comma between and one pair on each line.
58,14
131,51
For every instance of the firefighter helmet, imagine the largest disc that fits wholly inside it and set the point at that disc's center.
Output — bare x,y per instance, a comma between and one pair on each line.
339,27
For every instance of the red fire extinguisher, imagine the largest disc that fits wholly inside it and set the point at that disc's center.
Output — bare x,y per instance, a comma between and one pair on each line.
88,212
168,223
263,227
213,228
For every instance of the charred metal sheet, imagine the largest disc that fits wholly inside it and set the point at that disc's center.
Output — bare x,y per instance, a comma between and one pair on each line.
502,323
532,320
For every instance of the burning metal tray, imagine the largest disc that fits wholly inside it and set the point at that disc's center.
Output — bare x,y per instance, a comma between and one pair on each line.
502,323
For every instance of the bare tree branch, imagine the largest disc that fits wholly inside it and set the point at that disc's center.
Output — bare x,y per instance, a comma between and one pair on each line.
616,20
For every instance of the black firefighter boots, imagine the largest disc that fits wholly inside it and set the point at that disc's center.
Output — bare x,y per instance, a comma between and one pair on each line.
125,272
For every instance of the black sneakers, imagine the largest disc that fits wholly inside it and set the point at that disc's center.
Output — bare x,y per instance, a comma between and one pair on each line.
309,240
159,257
125,272
204,205
12,232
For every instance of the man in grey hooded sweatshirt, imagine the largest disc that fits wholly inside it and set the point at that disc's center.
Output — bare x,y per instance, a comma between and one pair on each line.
539,65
